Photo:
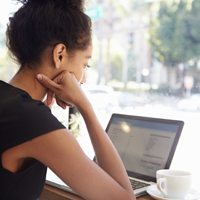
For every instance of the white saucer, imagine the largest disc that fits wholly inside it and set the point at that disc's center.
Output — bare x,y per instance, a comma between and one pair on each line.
156,194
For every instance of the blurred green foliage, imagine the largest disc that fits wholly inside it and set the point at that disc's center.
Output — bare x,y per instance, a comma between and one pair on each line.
174,33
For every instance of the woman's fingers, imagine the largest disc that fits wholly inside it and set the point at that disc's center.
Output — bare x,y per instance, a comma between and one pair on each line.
48,83
64,87
50,97
63,104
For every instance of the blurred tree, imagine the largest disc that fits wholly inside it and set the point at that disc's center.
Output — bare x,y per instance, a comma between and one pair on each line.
116,67
192,30
2,37
167,34
174,35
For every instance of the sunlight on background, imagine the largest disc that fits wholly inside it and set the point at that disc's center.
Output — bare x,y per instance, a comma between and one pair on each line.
7,7
7,65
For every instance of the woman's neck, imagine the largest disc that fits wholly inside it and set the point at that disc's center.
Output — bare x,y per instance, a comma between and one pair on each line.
25,79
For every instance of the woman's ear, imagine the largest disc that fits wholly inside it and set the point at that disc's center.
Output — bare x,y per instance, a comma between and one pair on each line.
58,54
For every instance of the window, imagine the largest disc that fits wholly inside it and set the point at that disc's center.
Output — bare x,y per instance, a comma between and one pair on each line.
147,52
146,61
7,66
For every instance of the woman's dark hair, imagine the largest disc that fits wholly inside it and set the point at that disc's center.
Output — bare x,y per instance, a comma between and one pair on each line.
39,24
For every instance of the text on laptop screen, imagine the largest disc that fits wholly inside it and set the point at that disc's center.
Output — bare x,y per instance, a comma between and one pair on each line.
144,146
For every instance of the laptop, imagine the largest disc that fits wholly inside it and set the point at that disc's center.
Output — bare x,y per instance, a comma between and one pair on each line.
145,145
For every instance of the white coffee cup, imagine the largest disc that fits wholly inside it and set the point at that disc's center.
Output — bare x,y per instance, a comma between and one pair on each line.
173,183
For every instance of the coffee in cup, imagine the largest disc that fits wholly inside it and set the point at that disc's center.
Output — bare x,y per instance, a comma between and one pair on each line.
173,183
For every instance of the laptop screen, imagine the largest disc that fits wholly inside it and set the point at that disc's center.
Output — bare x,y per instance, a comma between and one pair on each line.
145,144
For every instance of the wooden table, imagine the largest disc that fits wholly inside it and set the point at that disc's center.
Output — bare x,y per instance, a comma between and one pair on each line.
53,193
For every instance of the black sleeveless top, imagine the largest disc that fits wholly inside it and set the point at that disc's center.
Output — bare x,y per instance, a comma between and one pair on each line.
22,119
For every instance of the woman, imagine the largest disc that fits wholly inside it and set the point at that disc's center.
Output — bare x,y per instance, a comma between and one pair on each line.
51,40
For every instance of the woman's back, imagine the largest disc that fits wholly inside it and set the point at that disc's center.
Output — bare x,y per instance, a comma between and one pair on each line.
20,121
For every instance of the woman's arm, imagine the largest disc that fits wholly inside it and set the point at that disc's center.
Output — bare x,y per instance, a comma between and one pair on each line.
106,154
106,181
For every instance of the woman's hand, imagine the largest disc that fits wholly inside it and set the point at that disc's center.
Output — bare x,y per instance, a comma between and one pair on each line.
113,182
65,88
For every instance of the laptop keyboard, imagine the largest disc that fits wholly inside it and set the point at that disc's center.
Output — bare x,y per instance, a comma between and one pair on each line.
138,184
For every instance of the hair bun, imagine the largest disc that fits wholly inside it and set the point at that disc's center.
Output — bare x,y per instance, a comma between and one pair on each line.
77,4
